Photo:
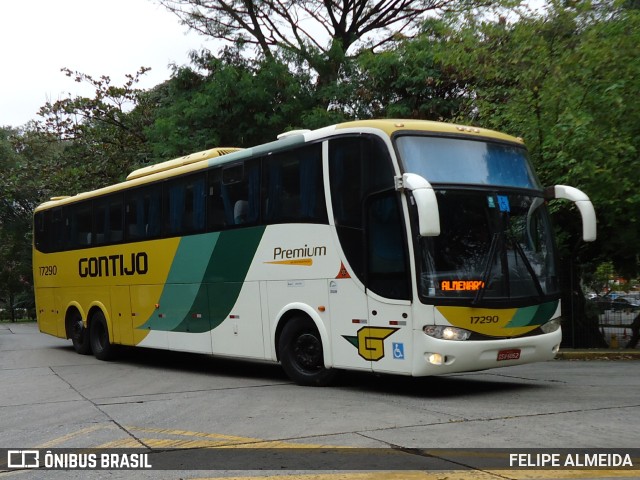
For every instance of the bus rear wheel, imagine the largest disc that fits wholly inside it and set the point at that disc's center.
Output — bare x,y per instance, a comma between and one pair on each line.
78,333
102,348
301,353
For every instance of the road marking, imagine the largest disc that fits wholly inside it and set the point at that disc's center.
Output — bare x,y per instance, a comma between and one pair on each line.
442,475
77,433
448,475
201,440
162,438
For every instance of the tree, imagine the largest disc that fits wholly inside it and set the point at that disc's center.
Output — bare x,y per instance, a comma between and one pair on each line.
321,33
600,280
227,101
407,81
16,205
567,82
103,136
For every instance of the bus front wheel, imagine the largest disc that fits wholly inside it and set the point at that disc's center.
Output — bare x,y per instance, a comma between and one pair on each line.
301,353
102,348
78,333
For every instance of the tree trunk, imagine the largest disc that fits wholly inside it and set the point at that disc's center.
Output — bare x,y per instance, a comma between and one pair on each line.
580,326
635,330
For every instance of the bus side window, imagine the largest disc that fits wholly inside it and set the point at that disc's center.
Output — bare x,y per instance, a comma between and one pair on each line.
80,225
293,186
240,193
215,205
184,205
41,224
59,233
108,225
143,213
386,256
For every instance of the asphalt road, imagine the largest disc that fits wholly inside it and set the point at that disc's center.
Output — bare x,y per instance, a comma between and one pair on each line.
52,398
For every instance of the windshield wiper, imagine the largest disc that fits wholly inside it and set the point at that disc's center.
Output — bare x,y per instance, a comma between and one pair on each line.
527,264
493,249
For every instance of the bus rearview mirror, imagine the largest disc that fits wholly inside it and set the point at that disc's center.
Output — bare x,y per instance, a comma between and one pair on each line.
581,200
426,204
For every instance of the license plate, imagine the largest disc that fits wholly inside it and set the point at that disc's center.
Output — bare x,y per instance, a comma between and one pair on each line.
513,354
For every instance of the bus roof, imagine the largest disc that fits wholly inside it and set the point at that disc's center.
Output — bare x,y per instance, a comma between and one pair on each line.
392,126
219,156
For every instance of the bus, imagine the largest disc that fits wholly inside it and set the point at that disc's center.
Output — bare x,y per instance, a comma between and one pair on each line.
390,246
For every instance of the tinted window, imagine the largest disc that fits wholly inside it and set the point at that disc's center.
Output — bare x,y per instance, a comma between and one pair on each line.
358,167
216,218
386,254
456,160
79,222
143,213
293,186
184,205
109,217
240,192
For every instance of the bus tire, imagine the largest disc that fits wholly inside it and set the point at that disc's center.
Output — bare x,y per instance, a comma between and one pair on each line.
301,353
78,333
102,348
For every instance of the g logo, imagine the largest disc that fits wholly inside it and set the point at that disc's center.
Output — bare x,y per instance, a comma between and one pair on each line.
370,342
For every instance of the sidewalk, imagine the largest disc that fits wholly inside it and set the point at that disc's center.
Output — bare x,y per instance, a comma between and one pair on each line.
597,354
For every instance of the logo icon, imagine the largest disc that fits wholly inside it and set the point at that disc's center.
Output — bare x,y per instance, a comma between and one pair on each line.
370,341
23,458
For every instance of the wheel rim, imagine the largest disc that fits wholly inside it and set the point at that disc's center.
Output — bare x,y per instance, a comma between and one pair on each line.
307,352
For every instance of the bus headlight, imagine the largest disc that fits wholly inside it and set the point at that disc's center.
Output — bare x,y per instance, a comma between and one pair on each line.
446,333
550,326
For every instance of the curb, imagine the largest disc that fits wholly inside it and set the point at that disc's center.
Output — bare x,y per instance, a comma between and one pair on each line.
598,354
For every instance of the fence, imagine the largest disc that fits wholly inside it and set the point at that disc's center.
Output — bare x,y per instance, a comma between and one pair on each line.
617,328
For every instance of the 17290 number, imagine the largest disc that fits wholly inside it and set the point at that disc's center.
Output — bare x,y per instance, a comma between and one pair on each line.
48,270
485,319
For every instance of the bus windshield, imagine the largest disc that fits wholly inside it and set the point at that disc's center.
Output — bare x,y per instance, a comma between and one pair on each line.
461,161
496,242
493,247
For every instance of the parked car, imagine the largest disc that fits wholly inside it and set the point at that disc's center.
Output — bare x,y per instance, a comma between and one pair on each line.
625,303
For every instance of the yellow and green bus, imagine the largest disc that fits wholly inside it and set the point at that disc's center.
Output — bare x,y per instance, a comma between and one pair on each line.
392,246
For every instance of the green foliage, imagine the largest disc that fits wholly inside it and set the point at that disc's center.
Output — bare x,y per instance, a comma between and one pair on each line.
226,101
568,83
325,35
409,81
103,136
16,203
600,280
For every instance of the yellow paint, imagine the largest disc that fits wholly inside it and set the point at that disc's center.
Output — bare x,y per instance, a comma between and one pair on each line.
487,321
447,475
371,342
404,475
304,262
559,474
56,293
78,433
193,439
392,126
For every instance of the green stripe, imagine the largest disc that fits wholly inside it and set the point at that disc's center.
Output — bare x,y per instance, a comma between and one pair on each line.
205,280
179,293
535,315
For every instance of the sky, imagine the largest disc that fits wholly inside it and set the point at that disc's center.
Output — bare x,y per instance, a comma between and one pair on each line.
96,37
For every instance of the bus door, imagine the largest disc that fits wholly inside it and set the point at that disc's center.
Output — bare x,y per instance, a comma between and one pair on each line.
388,289
349,322
371,320
370,312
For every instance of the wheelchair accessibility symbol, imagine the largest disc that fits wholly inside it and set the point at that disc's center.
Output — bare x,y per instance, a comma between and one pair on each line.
398,351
